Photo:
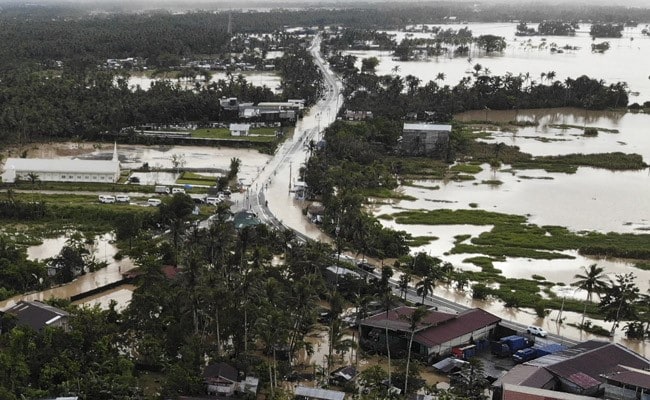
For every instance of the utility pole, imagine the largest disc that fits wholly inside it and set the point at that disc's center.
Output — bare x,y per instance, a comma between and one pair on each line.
290,175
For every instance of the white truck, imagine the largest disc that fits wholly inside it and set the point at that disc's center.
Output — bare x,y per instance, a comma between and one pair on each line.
161,190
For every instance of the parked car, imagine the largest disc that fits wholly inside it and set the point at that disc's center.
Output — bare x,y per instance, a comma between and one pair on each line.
212,200
536,331
106,199
122,198
178,190
161,189
154,202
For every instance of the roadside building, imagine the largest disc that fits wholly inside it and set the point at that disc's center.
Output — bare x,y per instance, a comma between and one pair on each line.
62,170
34,314
430,140
434,337
245,219
308,393
590,368
333,273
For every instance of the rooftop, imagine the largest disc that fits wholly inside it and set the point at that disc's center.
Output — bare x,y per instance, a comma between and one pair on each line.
629,376
314,393
397,319
220,370
62,165
35,314
426,127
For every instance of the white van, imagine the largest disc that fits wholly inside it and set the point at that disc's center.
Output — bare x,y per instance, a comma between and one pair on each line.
178,190
122,198
154,202
212,200
106,199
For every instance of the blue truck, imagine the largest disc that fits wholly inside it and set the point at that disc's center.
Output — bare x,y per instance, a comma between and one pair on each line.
509,345
532,353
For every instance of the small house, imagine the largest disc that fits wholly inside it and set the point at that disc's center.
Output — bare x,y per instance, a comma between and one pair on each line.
220,379
36,315
239,129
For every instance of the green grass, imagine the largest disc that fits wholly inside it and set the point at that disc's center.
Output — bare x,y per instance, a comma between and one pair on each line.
644,266
455,217
569,163
385,193
591,128
492,182
466,168
191,178
417,241
80,186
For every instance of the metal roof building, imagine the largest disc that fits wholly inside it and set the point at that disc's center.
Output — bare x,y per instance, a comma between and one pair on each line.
63,170
38,315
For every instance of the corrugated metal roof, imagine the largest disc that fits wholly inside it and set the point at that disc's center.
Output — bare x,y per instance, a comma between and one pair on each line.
397,319
513,392
464,323
239,127
35,314
315,393
62,165
426,127
629,376
596,362
525,375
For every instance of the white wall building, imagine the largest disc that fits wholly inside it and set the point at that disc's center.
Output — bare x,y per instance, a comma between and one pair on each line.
63,170
239,129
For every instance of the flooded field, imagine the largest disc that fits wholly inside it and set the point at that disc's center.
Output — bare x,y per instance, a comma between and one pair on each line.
134,156
532,56
257,78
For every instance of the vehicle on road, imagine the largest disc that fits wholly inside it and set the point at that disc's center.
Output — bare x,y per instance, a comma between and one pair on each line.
178,190
122,198
106,199
536,331
161,189
213,200
154,202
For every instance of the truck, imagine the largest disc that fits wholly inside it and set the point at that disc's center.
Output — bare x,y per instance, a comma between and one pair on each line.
161,189
464,352
532,353
509,345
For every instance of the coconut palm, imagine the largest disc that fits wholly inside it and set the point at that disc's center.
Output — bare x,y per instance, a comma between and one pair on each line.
404,284
414,321
592,281
425,287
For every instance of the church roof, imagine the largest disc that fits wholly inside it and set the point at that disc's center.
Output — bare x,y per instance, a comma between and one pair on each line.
61,165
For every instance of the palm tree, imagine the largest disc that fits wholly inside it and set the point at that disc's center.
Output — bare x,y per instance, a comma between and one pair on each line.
592,281
395,69
414,321
404,284
440,76
425,287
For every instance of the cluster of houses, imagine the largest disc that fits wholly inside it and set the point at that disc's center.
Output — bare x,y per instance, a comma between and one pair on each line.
285,112
587,370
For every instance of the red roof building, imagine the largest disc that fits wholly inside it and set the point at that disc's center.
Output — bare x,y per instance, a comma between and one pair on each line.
434,336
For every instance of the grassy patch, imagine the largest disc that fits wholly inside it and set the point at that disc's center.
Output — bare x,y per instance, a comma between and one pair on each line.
492,182
538,277
569,163
455,217
417,241
80,186
585,128
385,193
590,328
466,168
191,178
644,266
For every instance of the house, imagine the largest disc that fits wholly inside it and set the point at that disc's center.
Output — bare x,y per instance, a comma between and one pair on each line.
513,392
315,213
429,140
36,315
220,379
352,115
239,129
586,369
343,375
62,170
307,393
434,337
627,383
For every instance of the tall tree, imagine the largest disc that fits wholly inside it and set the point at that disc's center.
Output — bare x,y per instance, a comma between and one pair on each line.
592,281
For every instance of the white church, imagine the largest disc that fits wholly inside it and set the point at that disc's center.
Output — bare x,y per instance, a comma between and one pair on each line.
63,170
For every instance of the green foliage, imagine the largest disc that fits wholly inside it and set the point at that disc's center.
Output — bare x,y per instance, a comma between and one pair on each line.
456,217
466,168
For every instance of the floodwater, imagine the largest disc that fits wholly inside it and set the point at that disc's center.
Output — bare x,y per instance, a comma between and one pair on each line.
121,295
133,156
102,249
532,55
269,79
